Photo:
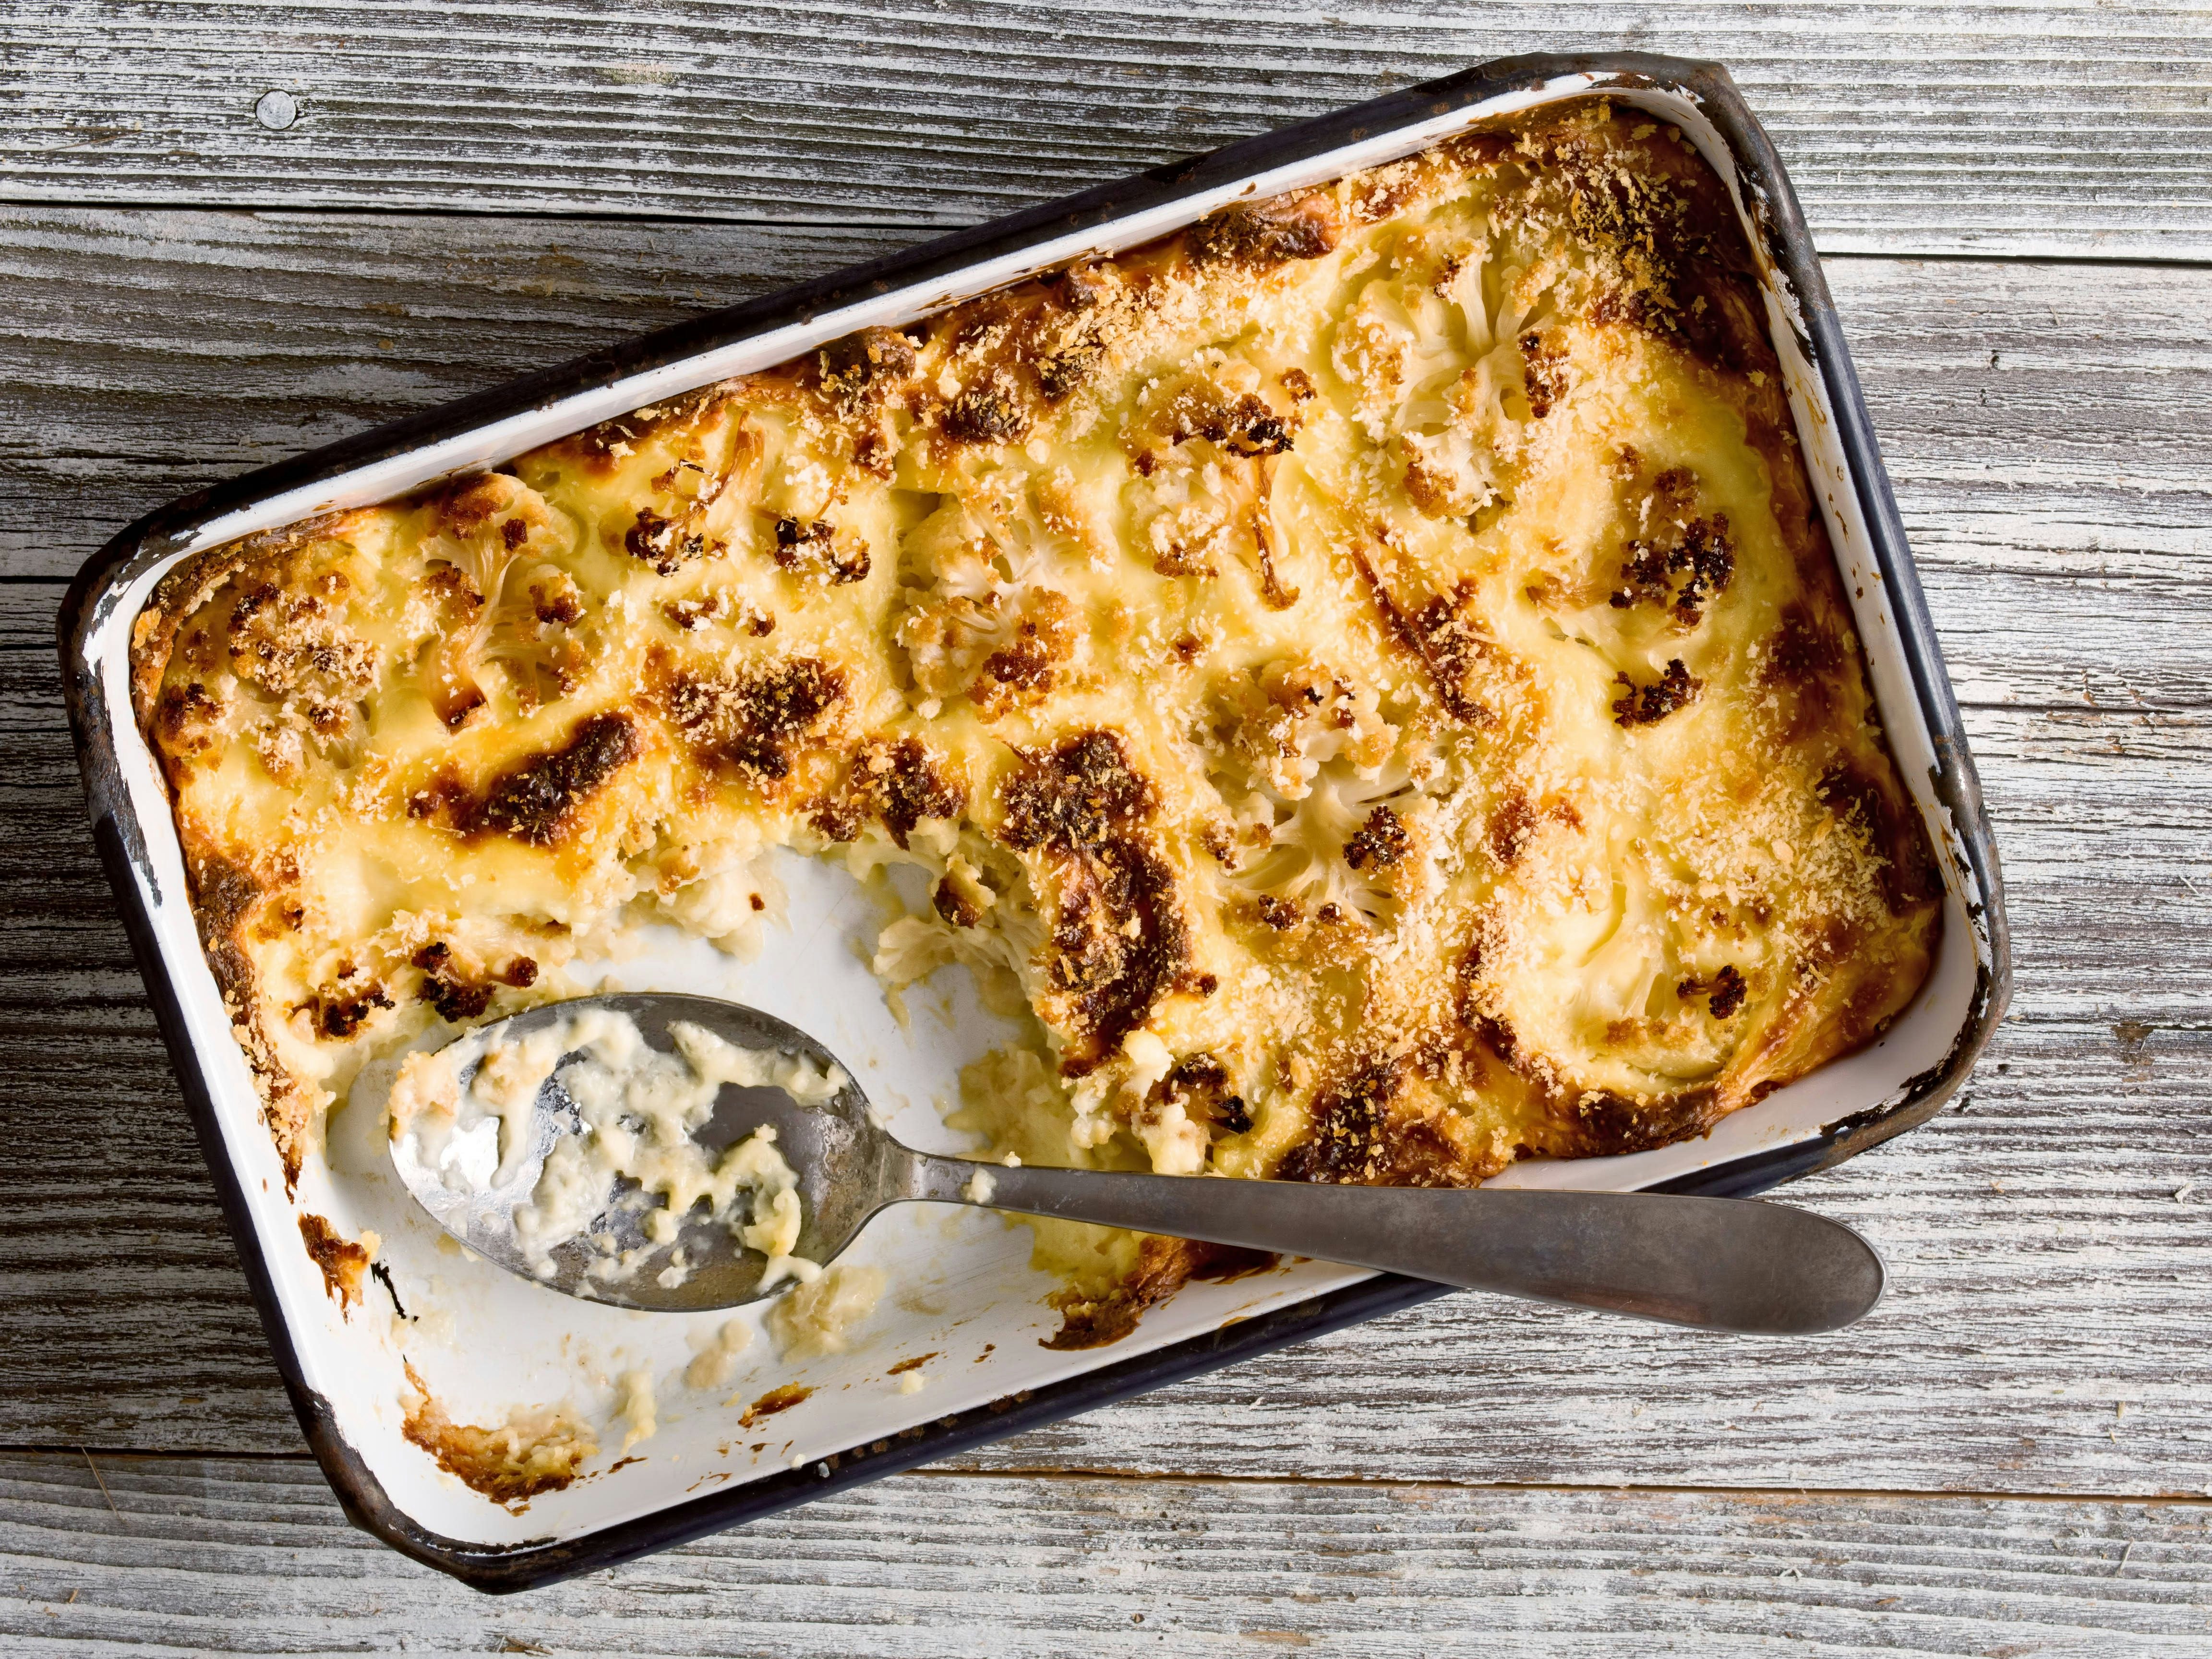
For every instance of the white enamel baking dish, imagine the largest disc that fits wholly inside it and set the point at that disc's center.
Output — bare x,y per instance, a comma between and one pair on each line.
961,1287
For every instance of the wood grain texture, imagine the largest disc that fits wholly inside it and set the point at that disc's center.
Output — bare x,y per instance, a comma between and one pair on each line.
2048,427
473,191
1907,127
145,1557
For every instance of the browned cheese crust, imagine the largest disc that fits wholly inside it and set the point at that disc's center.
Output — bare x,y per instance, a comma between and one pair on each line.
342,1261
1366,675
509,1463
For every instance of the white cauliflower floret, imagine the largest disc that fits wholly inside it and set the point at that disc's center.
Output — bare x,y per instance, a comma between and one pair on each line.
1329,806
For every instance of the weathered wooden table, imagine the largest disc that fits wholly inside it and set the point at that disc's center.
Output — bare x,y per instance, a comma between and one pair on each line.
2012,1456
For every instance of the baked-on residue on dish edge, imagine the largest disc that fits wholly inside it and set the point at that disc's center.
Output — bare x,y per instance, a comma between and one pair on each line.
1365,674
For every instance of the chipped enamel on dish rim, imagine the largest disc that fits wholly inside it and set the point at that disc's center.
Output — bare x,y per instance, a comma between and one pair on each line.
529,1349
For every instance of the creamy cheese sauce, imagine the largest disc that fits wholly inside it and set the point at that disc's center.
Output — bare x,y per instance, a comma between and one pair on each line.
1364,680
637,1112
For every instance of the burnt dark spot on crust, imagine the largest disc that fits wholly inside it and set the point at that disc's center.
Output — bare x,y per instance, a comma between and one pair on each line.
537,800
1281,913
1598,1124
1445,634
905,780
1163,1267
1444,637
1028,666
556,606
897,782
757,720
1802,650
1118,944
1381,842
1647,705
837,819
1490,1032
987,415
1543,371
1700,553
666,545
339,1013
183,717
1075,795
521,972
455,994
445,799
1511,827
1724,991
1357,1140
814,549
1246,428
1062,371
341,1261
858,370
1118,941
1222,1263
1351,1140
1261,235
1200,1084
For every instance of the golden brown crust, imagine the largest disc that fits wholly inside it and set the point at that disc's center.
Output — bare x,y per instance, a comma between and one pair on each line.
1367,670
509,1464
341,1260
1165,1266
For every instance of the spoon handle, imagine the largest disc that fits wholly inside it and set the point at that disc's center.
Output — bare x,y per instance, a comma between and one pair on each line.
1721,1264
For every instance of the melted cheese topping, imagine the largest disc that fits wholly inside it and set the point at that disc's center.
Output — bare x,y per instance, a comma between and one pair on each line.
1366,672
464,1113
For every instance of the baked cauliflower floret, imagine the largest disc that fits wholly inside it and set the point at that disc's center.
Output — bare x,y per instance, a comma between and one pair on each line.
1360,683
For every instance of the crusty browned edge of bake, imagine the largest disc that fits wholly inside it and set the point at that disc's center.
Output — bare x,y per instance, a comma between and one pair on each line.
225,896
1717,316
341,1260
483,1459
1163,1267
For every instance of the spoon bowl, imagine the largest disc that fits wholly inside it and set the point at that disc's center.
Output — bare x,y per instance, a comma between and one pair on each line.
1723,1264
836,1152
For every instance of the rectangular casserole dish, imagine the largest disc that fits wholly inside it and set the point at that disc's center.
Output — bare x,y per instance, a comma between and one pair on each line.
342,1382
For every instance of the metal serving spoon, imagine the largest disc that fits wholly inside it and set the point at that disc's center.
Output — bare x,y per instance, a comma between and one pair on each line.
1721,1264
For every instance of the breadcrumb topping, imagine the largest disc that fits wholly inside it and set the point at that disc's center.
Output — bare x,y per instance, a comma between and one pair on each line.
1365,675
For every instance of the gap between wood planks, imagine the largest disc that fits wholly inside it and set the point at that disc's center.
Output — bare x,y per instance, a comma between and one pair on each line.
925,231
1073,1473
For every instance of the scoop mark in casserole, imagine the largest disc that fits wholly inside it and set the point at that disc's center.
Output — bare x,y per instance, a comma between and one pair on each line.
1366,679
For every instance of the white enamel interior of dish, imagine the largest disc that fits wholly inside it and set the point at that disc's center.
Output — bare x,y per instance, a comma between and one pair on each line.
961,1283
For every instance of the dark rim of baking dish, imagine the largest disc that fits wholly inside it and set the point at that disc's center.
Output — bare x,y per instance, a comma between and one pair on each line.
1774,211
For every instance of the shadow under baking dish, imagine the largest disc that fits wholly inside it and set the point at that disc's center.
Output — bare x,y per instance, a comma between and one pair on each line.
962,1291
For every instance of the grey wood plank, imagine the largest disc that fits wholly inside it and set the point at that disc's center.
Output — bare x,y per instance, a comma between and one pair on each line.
145,1556
1907,126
